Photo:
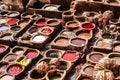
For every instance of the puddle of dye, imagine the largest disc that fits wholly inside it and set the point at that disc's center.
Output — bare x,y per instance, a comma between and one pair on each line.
52,23
18,51
78,42
89,70
51,8
15,70
13,14
12,21
11,58
103,44
57,77
4,28
23,24
15,28
84,35
88,26
41,23
2,21
6,37
70,56
46,31
32,54
62,42
73,24
39,39
117,58
96,57
2,69
2,49
117,48
7,77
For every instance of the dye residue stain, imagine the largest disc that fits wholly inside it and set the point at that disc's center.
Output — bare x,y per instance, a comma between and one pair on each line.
32,54
12,21
70,56
15,70
2,49
88,26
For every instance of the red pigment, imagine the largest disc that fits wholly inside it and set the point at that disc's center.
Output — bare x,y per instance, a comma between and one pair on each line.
2,49
15,70
70,56
46,30
31,54
12,21
41,23
88,26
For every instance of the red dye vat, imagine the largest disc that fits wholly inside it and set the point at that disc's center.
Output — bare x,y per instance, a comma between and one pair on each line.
32,54
12,21
46,31
88,26
70,56
2,49
41,23
15,70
